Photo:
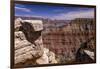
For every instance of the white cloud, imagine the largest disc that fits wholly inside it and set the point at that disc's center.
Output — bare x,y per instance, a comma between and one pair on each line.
31,16
22,9
75,14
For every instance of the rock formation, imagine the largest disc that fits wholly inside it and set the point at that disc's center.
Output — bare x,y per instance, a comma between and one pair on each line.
29,48
65,41
34,46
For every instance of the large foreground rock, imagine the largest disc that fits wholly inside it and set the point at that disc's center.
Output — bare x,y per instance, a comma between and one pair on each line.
29,48
28,42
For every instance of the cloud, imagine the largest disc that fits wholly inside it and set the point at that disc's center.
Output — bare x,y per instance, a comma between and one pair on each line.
75,14
22,9
27,15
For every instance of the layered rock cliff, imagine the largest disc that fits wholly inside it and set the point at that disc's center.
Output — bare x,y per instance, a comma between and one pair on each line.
65,41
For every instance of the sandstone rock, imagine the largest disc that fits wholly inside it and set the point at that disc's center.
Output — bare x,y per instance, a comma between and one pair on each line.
37,25
17,24
23,47
21,44
52,57
23,57
19,35
90,54
28,41
48,57
44,58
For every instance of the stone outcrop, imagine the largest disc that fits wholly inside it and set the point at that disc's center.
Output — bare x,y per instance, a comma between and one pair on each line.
28,41
29,48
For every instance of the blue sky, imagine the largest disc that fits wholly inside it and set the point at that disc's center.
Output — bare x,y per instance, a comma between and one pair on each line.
53,12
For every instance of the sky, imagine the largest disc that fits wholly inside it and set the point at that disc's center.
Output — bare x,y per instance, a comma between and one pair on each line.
53,11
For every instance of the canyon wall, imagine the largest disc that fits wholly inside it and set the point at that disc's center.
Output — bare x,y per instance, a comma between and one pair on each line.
65,41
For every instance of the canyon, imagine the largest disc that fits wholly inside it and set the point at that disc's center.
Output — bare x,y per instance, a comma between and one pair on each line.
44,41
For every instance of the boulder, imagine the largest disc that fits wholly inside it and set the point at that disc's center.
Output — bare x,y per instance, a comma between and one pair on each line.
52,57
48,57
44,58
